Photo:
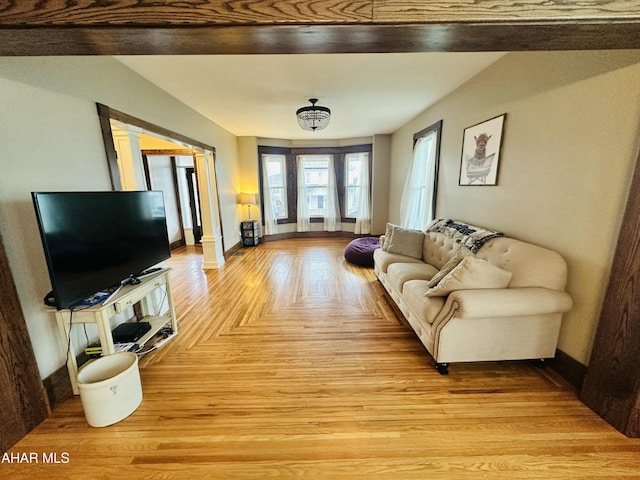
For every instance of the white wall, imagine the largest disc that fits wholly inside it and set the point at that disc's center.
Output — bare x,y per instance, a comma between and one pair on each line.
50,139
569,147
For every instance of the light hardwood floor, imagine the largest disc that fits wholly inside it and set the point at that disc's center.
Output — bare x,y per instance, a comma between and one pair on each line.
291,363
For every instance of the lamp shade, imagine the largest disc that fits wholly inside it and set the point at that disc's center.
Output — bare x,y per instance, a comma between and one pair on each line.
247,199
313,117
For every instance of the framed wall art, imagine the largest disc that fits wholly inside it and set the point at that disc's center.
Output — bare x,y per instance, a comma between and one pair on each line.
481,152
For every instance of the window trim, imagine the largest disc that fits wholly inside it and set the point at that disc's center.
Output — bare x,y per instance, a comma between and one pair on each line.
283,163
291,154
346,185
437,127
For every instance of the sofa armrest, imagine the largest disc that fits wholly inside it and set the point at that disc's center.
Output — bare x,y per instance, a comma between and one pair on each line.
508,302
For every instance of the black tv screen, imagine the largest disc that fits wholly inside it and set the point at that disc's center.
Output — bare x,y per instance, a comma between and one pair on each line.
94,240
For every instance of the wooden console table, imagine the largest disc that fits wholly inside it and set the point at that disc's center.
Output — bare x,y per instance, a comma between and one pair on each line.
101,314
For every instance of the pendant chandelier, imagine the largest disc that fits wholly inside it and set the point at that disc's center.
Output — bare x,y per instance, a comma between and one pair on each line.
314,117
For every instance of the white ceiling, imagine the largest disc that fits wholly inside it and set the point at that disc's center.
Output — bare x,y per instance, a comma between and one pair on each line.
257,95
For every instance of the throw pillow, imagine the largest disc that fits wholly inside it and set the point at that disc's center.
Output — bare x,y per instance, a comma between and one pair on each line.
471,273
387,236
450,265
406,242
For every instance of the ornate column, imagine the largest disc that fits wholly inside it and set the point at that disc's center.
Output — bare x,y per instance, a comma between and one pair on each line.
126,140
208,191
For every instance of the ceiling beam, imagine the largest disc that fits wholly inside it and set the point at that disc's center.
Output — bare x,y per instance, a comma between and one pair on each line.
87,27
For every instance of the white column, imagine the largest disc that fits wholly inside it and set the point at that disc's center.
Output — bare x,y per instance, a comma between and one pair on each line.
208,192
126,140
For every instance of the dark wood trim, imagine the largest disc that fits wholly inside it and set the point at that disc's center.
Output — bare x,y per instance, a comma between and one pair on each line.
233,249
147,171
323,234
569,369
479,35
291,154
58,387
612,383
193,13
110,150
437,127
23,398
110,113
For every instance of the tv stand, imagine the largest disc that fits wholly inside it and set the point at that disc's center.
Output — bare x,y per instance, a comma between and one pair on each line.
128,295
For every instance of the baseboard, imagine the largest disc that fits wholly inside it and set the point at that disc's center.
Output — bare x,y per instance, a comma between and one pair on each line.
58,386
569,368
285,236
233,249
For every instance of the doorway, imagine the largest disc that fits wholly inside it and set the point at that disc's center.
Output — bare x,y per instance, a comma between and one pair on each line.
173,172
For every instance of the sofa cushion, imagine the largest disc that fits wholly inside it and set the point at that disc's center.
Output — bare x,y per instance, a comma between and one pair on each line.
453,262
383,259
425,308
404,241
437,249
399,273
471,273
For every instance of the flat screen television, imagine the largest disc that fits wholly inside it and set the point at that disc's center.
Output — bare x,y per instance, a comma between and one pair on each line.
94,241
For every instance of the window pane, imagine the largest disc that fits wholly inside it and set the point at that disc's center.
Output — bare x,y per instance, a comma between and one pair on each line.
316,181
276,184
352,201
276,172
354,171
316,201
278,202
354,168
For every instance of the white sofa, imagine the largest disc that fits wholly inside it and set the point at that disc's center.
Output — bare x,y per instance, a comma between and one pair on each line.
472,294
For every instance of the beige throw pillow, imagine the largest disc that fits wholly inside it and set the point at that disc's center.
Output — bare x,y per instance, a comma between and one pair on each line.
450,265
406,242
471,273
387,236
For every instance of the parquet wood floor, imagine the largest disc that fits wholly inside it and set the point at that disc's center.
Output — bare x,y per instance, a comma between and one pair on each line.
291,363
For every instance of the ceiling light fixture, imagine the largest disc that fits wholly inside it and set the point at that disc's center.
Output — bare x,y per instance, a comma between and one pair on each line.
314,117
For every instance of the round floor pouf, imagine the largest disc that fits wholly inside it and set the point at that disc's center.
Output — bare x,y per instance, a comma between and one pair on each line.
360,251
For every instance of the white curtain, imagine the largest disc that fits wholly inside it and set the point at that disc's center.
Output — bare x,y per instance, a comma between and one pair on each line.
270,220
416,205
332,218
304,222
363,215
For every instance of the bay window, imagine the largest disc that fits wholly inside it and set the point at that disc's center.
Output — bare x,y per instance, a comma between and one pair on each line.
310,185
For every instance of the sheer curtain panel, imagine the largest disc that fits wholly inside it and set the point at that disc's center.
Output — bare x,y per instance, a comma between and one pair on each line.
363,213
270,220
416,205
304,217
332,217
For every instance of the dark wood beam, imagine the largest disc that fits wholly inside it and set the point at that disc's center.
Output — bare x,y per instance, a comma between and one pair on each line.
317,39
122,27
185,13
